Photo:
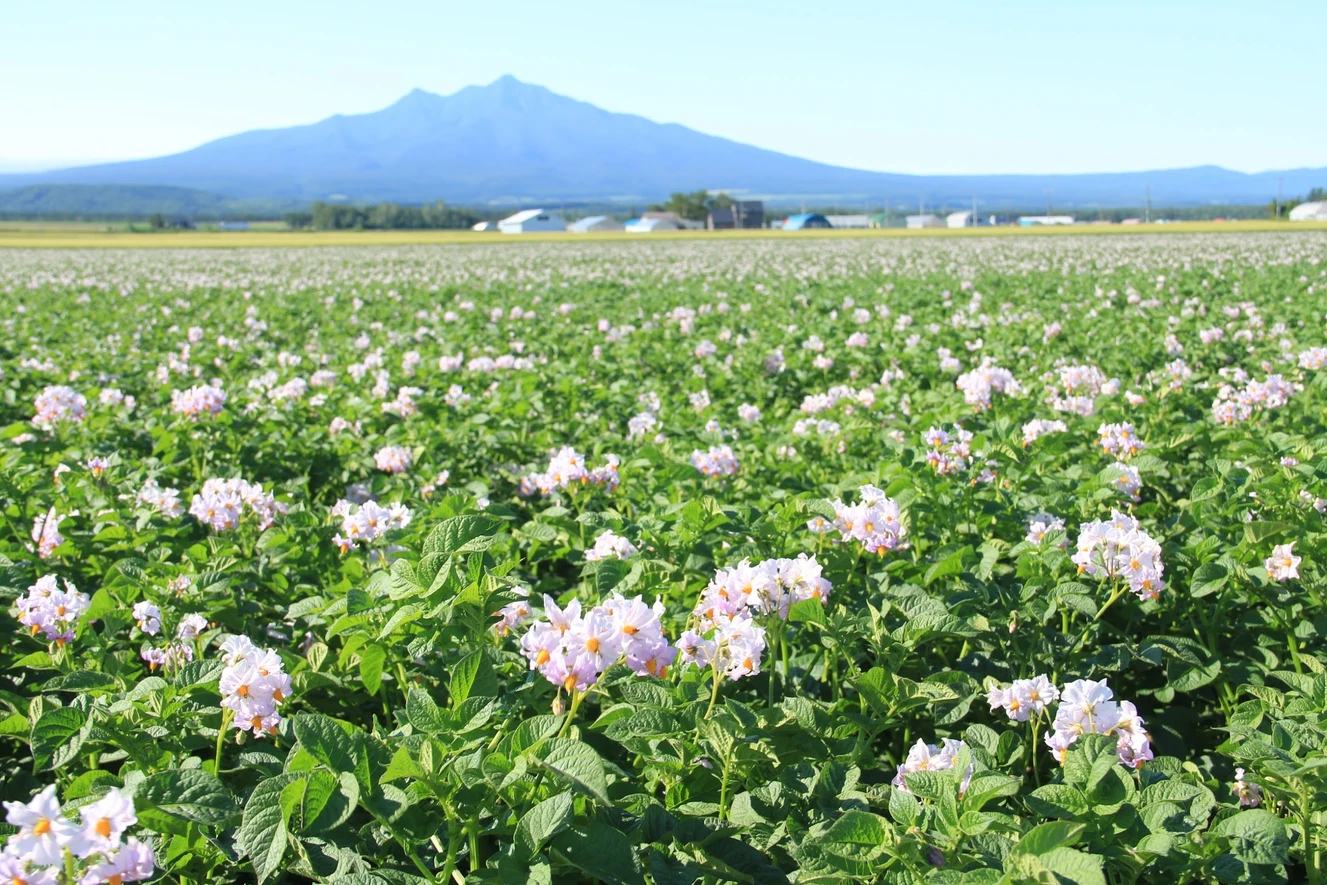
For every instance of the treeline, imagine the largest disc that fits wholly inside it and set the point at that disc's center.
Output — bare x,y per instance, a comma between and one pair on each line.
384,216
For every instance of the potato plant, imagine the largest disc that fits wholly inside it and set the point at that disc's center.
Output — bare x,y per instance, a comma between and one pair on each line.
953,561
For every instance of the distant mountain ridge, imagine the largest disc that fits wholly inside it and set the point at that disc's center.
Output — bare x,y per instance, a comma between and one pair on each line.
519,143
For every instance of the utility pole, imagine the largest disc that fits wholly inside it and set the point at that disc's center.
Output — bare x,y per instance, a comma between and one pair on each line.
974,210
1278,198
1147,204
1048,202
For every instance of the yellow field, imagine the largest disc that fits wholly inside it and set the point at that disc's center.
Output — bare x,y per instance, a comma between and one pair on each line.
41,236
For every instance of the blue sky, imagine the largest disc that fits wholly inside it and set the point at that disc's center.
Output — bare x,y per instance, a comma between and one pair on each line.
953,87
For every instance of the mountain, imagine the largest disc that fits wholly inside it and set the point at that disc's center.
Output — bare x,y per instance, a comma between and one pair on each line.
515,142
137,201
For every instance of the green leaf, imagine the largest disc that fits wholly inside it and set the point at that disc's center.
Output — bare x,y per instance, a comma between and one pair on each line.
326,741
1207,579
192,795
1058,800
1257,836
600,852
578,764
80,680
423,714
545,821
57,737
462,534
466,677
371,659
262,835
810,611
859,828
1045,838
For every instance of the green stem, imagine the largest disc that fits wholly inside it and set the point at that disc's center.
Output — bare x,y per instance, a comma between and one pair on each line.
1114,598
227,715
449,866
714,693
571,712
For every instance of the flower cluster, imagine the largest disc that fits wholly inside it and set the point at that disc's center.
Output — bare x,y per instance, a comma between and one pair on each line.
195,402
1120,549
1249,795
48,609
949,452
1130,482
572,650
1283,564
875,521
98,852
567,469
988,378
1077,388
148,617
171,657
46,532
394,459
253,684
221,503
367,522
1039,427
1119,440
164,501
932,757
1024,698
1313,358
58,403
718,461
1086,707
1234,405
1041,525
610,545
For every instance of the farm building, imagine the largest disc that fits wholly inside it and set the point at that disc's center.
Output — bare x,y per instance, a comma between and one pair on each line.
653,222
485,225
529,221
1309,212
805,221
917,222
852,222
594,224
961,219
1035,220
721,219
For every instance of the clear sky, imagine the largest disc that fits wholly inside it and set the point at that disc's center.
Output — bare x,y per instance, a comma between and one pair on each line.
944,87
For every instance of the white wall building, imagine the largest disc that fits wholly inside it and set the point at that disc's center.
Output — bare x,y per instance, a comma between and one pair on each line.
850,222
916,222
485,225
1033,220
530,221
965,218
594,224
652,225
1309,212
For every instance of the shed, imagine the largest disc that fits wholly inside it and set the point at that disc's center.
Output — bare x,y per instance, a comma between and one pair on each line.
748,214
805,221
721,219
961,219
529,221
594,224
916,222
485,225
1316,211
1046,220
852,222
652,222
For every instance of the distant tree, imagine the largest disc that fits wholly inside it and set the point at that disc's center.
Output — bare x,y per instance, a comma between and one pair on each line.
1317,195
693,206
157,220
298,220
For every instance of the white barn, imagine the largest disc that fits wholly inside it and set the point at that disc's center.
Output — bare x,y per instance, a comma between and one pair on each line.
1316,211
594,224
966,218
1044,220
484,225
916,222
530,221
652,225
849,222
